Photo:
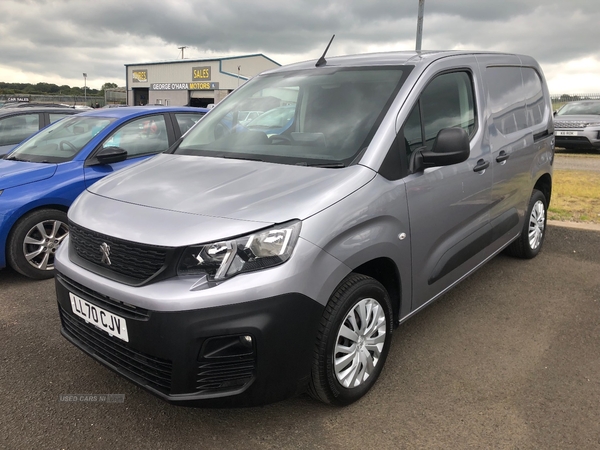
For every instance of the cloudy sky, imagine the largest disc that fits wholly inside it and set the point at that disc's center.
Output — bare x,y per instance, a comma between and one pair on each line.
55,41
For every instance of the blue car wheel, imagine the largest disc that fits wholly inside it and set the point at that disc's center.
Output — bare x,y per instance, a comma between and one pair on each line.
34,240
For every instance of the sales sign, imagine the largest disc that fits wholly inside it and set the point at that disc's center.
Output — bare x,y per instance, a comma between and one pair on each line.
201,73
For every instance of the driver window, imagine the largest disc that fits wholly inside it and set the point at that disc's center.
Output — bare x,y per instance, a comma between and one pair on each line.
446,102
141,137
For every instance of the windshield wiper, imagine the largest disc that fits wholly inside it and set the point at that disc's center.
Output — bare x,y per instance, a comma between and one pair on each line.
245,158
326,165
14,158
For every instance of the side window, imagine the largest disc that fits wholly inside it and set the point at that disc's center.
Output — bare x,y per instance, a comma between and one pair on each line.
534,96
446,102
141,136
56,116
14,129
187,121
506,99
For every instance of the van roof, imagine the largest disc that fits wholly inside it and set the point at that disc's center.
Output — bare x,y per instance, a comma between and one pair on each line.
384,59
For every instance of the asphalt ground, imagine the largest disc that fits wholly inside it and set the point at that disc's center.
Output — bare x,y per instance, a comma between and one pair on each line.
508,359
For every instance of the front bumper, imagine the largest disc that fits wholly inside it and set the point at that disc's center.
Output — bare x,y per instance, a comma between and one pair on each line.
168,352
586,138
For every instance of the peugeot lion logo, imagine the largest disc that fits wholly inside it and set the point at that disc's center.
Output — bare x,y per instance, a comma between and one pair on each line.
105,249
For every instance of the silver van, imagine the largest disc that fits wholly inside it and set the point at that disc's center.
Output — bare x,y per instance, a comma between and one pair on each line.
253,262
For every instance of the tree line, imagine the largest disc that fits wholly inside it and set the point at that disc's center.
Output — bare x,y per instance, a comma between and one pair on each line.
51,89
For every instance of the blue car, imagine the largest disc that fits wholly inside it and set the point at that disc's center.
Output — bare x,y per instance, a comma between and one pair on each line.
41,177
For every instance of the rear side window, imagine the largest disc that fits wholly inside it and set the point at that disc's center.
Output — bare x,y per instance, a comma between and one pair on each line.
56,116
14,129
515,98
534,96
446,102
187,121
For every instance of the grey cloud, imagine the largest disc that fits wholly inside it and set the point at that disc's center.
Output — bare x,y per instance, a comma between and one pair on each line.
56,36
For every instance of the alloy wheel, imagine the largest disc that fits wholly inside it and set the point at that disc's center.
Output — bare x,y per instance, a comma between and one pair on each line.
42,241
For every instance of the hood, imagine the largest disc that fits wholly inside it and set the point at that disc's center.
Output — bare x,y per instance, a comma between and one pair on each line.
16,173
233,189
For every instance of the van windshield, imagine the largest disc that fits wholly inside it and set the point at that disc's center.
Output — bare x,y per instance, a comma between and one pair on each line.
322,116
583,108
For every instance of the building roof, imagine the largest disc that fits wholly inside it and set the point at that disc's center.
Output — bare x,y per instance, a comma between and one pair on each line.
179,61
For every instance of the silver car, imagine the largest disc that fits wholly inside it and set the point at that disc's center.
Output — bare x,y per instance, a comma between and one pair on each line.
577,125
245,266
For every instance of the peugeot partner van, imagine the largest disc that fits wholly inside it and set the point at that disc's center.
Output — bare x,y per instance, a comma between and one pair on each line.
245,265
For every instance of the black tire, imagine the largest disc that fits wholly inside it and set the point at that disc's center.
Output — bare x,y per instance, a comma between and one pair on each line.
19,252
529,243
353,293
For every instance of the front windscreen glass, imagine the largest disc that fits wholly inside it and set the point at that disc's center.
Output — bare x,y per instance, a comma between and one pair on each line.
576,109
323,116
60,141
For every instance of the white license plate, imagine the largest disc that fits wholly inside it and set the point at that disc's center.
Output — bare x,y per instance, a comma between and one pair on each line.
107,321
566,133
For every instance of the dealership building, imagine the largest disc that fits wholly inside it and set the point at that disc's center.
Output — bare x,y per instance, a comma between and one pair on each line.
198,82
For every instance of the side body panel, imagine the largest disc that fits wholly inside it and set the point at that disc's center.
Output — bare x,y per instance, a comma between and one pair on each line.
449,206
519,125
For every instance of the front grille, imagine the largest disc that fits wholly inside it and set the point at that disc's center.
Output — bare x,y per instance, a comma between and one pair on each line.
131,259
569,124
574,139
155,371
223,376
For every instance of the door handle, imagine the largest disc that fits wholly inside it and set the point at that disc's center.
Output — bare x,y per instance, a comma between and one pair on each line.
481,165
503,156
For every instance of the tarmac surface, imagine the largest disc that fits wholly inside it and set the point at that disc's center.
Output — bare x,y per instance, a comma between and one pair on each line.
508,359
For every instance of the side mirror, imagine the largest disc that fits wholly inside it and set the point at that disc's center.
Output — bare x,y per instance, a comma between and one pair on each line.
110,155
451,146
554,113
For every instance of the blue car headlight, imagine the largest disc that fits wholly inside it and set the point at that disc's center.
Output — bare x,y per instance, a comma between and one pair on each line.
224,259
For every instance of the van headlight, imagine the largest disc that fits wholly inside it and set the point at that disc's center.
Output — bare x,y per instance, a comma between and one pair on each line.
224,259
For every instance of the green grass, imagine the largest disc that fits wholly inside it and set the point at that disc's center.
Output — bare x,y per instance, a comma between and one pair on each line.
575,196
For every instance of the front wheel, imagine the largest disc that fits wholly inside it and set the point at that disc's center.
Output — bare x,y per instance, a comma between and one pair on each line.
353,341
34,240
529,243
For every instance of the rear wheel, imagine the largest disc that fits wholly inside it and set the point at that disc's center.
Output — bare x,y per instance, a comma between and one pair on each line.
353,341
529,243
34,240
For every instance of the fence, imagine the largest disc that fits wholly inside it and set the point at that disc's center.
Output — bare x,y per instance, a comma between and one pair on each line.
61,99
559,100
116,95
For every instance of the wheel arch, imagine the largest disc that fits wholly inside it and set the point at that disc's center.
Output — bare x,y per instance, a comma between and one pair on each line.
544,185
22,213
385,271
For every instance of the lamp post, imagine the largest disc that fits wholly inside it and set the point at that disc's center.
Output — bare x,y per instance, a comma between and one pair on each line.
420,25
85,88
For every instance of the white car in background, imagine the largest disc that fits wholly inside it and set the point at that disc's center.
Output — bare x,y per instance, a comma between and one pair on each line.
577,125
